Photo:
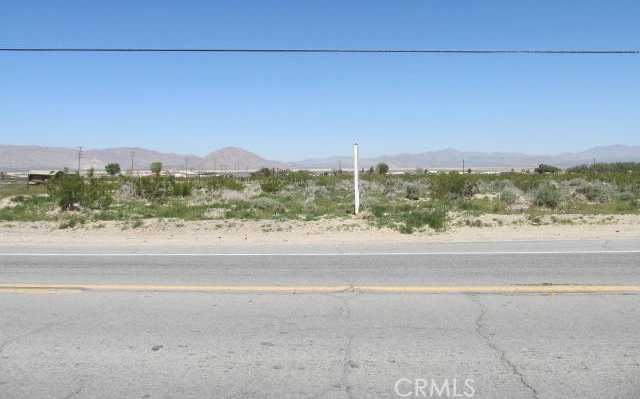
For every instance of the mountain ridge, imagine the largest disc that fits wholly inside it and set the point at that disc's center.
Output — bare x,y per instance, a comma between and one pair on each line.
22,157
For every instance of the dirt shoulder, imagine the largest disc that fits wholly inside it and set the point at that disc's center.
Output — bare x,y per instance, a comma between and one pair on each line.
220,233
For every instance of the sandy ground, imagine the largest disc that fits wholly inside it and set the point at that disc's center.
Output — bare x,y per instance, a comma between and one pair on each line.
219,233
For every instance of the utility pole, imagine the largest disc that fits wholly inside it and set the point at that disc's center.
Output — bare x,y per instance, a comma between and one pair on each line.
79,158
132,154
186,168
463,166
356,188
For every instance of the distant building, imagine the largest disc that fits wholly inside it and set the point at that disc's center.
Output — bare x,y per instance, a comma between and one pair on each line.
42,176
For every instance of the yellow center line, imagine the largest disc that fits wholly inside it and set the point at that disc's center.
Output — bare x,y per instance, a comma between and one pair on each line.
41,290
308,289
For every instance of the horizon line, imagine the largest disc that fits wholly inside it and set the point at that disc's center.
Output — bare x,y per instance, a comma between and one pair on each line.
322,50
514,152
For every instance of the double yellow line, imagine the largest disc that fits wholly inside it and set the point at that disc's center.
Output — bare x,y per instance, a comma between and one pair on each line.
327,289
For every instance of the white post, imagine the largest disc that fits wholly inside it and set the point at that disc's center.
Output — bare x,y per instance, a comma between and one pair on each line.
356,189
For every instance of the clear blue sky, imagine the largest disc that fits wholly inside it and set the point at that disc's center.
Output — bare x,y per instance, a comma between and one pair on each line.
291,107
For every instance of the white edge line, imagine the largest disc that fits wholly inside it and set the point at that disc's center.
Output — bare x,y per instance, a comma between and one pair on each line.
327,254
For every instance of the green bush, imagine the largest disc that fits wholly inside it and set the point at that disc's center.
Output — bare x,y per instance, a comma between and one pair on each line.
477,205
412,193
182,189
382,168
407,218
159,188
548,196
271,185
264,172
156,168
298,177
508,197
67,190
112,169
268,204
543,168
224,182
611,167
97,194
435,218
452,186
30,209
153,188
593,192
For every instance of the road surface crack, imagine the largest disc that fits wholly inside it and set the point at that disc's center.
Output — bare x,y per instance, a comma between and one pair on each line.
347,362
481,328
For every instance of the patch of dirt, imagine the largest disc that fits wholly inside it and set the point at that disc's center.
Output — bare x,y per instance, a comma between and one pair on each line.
217,233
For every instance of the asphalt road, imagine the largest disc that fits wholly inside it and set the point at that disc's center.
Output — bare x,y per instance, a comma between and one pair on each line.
119,337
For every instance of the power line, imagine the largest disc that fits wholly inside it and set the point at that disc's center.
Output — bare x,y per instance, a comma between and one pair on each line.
327,50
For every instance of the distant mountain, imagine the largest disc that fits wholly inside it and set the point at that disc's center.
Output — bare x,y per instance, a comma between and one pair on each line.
233,158
451,158
14,157
611,153
17,157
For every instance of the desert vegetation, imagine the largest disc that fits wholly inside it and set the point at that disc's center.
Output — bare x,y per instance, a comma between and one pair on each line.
407,203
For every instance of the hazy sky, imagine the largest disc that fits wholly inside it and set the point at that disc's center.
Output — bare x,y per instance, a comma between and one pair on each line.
297,106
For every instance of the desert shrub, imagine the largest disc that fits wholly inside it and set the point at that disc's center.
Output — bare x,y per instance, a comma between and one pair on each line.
526,182
453,186
412,192
18,199
270,204
607,167
156,168
112,169
153,188
473,223
626,206
226,182
66,190
271,185
97,194
158,188
176,209
487,184
625,196
258,208
508,197
71,190
543,168
182,189
435,218
71,222
382,168
28,210
408,218
476,205
264,172
595,192
548,196
299,177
